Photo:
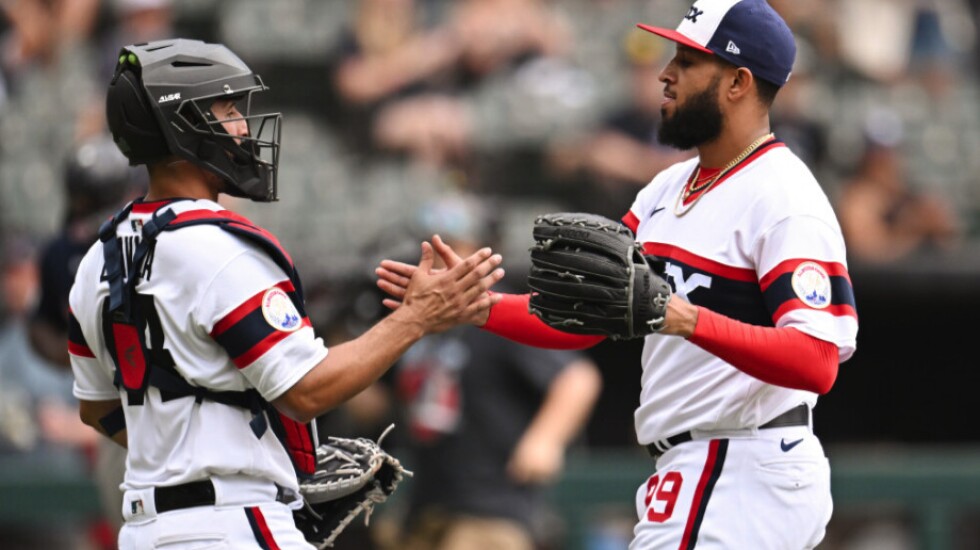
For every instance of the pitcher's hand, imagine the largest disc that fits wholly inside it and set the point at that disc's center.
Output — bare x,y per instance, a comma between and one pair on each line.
394,277
442,298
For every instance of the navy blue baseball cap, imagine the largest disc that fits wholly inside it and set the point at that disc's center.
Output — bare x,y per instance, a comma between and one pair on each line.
746,33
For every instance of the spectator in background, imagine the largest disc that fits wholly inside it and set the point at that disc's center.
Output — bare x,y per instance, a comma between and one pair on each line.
384,55
134,21
495,35
497,42
40,32
48,69
883,219
915,67
488,421
39,422
18,289
799,112
97,181
610,163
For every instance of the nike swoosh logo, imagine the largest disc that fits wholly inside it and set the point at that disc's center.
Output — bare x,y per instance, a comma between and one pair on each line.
787,447
655,210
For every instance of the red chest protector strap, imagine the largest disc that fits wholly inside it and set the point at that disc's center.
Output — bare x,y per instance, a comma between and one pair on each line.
128,317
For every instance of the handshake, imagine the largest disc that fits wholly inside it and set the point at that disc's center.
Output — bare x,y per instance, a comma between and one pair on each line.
588,276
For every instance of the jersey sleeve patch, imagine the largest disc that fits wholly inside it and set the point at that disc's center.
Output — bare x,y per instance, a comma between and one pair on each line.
280,311
808,284
259,323
811,283
76,341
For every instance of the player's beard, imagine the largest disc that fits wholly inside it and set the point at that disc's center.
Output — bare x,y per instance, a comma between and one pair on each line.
699,120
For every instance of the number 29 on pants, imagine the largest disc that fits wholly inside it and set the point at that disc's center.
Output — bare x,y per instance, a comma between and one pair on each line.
662,495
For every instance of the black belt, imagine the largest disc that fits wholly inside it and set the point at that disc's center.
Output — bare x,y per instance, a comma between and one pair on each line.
189,495
797,416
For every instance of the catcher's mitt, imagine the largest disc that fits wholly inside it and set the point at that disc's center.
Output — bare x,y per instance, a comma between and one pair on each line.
589,276
352,476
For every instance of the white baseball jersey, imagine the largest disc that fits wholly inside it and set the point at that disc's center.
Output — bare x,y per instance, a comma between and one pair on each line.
762,246
229,323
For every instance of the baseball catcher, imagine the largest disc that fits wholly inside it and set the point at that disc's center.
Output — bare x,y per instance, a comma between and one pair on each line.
188,334
352,476
589,276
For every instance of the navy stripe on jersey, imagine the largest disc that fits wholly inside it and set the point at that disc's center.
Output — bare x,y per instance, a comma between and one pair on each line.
781,291
781,298
733,292
76,340
245,333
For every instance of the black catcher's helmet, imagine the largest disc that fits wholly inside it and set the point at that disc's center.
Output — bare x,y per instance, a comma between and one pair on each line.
159,104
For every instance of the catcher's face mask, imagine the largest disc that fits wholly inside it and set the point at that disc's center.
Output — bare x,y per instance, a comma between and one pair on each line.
159,104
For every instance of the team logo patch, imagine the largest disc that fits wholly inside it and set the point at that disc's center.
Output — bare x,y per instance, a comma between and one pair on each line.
812,284
279,311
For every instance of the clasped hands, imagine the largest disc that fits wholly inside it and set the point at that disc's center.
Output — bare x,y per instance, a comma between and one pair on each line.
442,298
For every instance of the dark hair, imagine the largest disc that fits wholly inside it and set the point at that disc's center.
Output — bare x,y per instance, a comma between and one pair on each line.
766,90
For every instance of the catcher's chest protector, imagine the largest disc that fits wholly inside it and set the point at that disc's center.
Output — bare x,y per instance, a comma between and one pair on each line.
127,317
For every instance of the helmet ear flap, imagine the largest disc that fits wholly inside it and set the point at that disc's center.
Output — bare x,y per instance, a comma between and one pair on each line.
207,149
132,121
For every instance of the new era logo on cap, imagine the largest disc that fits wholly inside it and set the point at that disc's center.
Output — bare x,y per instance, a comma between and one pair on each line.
746,33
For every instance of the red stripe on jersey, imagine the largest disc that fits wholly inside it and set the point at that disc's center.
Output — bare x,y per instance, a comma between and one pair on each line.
666,251
834,269
247,307
259,349
837,310
761,150
80,350
631,221
206,214
242,221
201,214
150,207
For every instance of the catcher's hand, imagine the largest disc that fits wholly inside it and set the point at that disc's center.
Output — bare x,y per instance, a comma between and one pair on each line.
352,476
589,276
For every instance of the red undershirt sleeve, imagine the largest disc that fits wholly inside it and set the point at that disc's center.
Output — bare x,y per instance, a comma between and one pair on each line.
781,356
510,318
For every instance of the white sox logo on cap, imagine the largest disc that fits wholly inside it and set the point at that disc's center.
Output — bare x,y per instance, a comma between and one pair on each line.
746,33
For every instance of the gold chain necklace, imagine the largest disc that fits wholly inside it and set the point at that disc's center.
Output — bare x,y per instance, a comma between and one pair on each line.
691,186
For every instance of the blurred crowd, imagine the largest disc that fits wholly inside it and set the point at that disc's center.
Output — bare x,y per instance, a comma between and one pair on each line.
532,102
524,106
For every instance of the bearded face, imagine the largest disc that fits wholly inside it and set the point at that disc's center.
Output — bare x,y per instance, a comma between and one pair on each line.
694,122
